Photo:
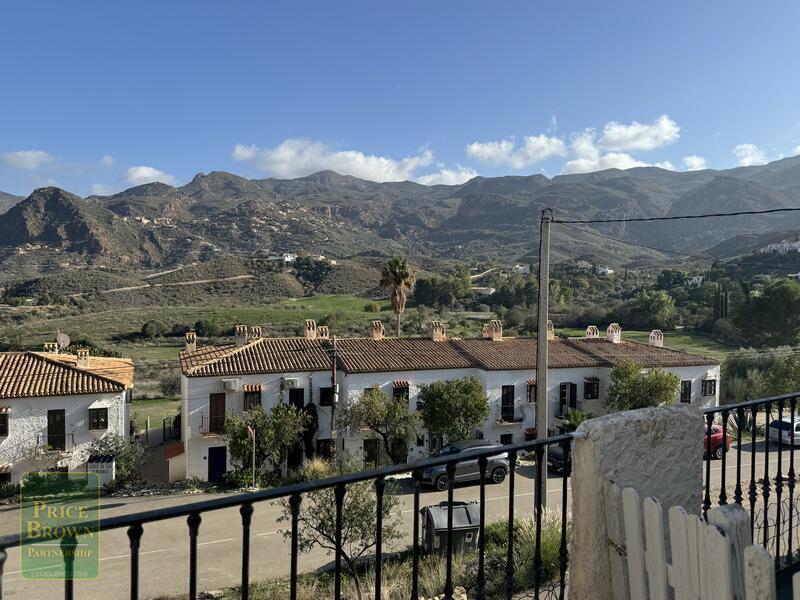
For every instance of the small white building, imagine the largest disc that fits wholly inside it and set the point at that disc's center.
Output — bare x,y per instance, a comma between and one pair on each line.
521,269
603,271
54,405
230,378
695,280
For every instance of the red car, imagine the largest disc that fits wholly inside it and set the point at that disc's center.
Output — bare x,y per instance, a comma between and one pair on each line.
715,441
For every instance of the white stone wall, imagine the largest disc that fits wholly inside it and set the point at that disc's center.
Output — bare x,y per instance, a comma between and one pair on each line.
28,419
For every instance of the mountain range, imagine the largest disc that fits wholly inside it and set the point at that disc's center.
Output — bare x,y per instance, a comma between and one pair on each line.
485,219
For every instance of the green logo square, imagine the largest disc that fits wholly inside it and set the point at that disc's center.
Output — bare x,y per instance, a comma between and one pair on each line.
59,515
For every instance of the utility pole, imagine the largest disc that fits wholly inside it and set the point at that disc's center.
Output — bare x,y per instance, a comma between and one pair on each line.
541,344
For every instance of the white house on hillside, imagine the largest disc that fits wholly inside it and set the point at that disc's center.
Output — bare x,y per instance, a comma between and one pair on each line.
230,378
54,405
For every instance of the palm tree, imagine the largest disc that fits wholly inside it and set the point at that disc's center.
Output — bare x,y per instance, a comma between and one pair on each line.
398,278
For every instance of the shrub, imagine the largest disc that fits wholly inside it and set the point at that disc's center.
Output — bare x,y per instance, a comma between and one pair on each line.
129,457
372,307
170,384
153,329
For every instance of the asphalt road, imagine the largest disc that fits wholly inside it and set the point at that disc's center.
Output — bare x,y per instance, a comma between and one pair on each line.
164,554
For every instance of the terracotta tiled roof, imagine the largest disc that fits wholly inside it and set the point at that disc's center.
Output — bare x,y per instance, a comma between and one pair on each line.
520,353
644,354
262,355
116,369
173,450
365,355
30,374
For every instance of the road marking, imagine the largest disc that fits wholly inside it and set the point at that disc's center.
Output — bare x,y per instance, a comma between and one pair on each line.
267,533
128,555
215,542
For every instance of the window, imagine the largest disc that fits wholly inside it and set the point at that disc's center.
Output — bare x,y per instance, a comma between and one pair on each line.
709,387
400,393
507,439
98,418
420,441
128,396
326,396
251,400
3,424
5,477
324,448
567,397
686,391
507,403
531,392
591,389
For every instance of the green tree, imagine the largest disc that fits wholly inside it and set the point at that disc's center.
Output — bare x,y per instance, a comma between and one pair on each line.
317,518
153,329
398,277
783,375
772,319
170,384
574,419
128,457
391,420
631,388
455,408
277,432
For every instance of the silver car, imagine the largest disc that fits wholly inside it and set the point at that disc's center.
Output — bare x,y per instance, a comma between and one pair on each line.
467,466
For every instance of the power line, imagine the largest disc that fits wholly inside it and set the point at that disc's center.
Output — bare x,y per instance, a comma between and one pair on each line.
677,217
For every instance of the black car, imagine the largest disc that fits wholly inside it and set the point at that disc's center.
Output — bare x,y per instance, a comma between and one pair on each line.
555,460
467,466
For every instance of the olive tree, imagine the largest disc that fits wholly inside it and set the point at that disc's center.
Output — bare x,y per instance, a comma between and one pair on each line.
633,387
455,408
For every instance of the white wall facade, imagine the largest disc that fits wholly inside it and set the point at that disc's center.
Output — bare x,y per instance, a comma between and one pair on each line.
196,392
27,419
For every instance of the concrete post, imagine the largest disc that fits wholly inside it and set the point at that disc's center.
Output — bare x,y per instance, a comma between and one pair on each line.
656,451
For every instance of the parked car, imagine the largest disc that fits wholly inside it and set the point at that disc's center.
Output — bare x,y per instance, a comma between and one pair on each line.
715,441
781,431
555,459
467,468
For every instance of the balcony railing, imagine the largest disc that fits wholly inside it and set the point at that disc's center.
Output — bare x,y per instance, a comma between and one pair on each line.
510,414
739,438
46,443
554,587
213,425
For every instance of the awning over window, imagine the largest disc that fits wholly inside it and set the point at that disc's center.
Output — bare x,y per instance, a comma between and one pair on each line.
401,384
102,403
251,387
4,410
591,379
5,468
531,382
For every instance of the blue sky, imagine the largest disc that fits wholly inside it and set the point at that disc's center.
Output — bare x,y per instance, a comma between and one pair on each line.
98,96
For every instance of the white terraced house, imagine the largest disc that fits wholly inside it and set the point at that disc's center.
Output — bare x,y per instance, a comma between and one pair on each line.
256,370
54,405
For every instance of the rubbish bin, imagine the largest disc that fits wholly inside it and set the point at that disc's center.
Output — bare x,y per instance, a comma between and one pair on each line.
466,525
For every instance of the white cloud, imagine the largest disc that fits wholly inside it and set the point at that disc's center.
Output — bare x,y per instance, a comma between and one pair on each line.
107,161
639,136
296,157
694,163
749,155
588,157
143,174
100,189
28,160
533,149
665,164
796,151
447,176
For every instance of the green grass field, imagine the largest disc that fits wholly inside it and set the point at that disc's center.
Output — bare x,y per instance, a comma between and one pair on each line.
156,409
681,339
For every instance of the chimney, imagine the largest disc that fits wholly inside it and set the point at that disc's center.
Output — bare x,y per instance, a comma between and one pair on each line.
241,335
592,332
323,332
551,331
377,331
656,338
311,329
438,331
83,358
493,330
614,333
191,341
51,347
256,332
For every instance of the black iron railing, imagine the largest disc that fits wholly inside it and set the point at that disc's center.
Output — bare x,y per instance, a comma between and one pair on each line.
543,586
63,442
213,425
753,447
